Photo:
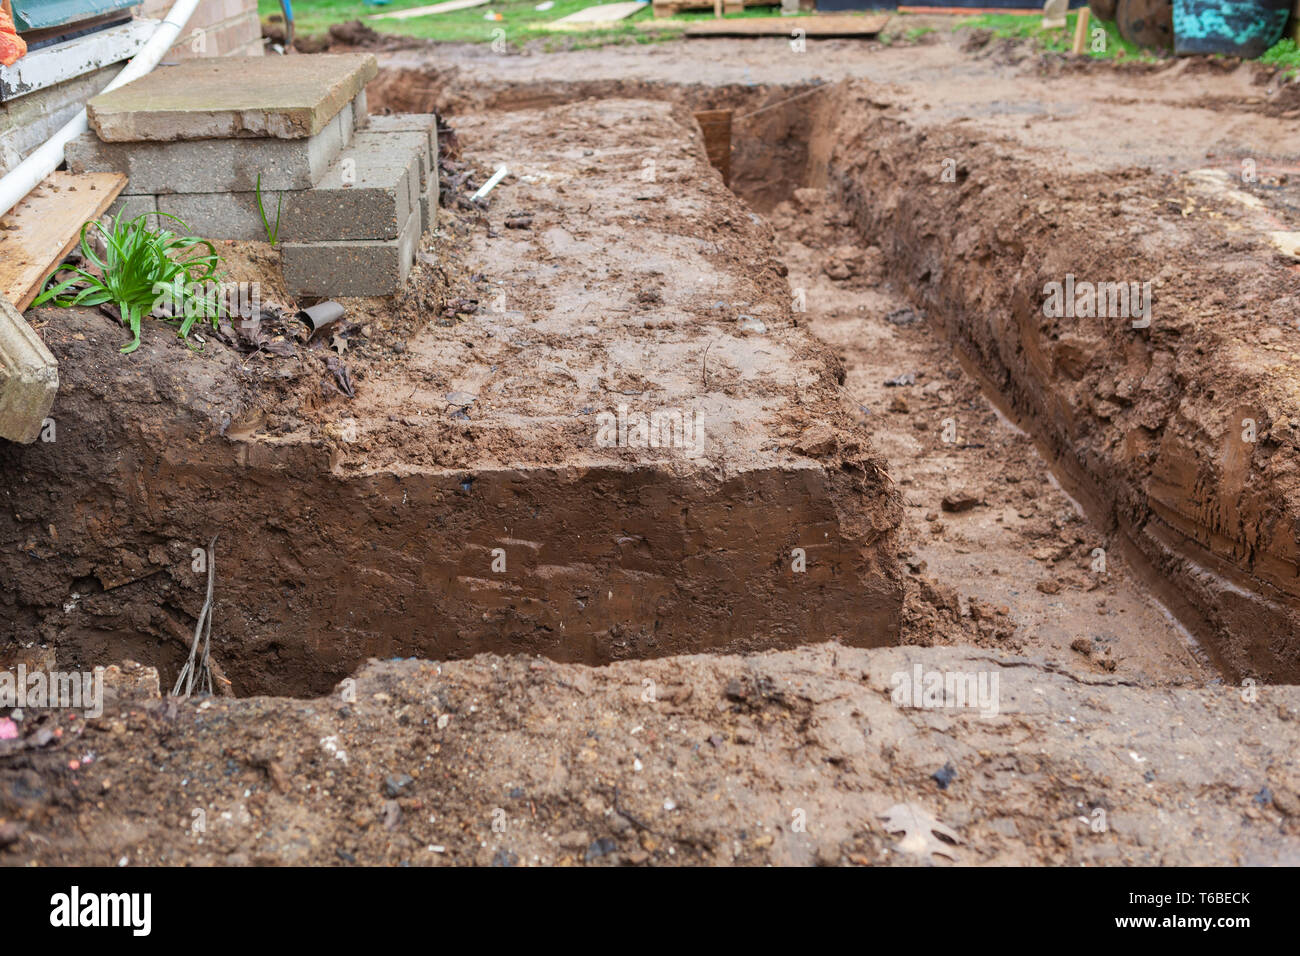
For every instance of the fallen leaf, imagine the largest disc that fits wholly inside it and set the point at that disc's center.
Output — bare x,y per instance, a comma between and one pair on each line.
919,829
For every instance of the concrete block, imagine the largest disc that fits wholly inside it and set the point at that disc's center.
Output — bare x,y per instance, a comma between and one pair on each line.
351,268
367,194
375,148
425,123
360,111
29,377
132,206
214,165
285,97
223,215
363,196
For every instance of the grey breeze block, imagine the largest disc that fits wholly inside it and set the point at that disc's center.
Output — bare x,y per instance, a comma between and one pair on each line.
351,267
364,195
426,124
215,165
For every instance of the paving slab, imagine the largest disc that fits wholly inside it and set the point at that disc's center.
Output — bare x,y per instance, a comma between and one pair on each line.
283,97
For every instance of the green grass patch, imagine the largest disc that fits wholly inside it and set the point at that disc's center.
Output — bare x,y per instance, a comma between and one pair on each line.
520,21
1060,41
1284,54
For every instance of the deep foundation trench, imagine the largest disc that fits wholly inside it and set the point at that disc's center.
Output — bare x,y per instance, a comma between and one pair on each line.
897,445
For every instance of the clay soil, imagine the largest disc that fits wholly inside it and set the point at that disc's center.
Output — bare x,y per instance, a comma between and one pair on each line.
1067,503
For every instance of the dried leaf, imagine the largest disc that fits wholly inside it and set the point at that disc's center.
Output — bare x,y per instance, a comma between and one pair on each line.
921,831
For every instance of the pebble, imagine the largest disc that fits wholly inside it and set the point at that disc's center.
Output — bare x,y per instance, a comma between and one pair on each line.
395,783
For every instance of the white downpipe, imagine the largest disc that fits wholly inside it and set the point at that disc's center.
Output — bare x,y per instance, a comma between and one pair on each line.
28,174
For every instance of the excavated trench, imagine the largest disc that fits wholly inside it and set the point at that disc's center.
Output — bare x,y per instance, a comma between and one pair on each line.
1130,424
921,293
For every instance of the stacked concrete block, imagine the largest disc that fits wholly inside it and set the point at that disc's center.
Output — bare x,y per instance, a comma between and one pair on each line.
427,126
354,192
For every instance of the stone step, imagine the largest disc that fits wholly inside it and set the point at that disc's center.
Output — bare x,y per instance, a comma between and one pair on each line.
281,97
367,194
350,267
216,165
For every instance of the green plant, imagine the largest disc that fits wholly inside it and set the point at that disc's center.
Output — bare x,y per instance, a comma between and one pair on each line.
272,232
142,270
1284,54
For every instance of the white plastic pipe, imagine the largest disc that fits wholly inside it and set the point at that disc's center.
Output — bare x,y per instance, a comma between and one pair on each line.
28,174
488,186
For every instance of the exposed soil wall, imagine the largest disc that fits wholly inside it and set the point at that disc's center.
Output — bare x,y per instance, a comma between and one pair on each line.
1146,425
1148,422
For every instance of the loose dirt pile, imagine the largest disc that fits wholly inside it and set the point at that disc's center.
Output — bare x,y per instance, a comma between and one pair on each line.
866,367
785,758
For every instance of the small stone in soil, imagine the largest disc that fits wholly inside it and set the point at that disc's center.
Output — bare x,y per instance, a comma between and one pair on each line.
395,783
958,501
903,317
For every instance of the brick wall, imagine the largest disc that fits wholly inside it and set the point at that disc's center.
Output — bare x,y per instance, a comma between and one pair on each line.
218,28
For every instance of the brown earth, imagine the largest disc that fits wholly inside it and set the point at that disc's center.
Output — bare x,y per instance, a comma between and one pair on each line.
784,757
1144,426
1115,741
463,501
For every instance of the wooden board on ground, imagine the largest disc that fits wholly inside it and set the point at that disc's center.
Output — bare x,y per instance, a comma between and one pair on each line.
817,26
603,14
446,7
670,8
37,233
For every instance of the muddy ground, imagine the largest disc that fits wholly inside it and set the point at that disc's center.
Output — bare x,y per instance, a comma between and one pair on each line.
1068,503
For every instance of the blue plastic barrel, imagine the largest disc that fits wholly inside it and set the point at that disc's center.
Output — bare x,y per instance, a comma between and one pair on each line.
1244,28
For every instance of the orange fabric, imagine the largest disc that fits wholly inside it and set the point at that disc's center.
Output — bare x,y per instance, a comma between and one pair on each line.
12,46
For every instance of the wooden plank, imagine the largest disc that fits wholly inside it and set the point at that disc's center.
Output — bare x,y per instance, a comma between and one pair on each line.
816,26
670,8
1081,30
52,65
43,228
973,11
29,377
602,14
446,7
